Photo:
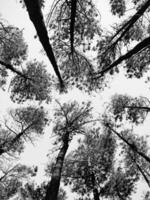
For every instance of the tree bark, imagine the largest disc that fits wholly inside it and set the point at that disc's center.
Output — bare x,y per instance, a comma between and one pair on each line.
37,19
53,189
95,190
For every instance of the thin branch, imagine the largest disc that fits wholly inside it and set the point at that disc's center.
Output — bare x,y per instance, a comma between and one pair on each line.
11,68
138,107
54,5
10,128
7,172
65,114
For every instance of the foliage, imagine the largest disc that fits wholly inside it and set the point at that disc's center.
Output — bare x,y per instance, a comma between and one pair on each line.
71,118
93,157
120,185
38,88
92,166
76,68
13,48
85,21
38,192
12,179
9,189
32,117
137,163
23,124
118,7
134,109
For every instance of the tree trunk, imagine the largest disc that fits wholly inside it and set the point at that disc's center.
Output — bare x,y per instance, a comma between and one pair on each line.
53,189
95,190
134,148
96,194
141,171
36,16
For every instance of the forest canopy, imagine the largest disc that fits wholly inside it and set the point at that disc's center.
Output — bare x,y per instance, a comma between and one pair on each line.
94,151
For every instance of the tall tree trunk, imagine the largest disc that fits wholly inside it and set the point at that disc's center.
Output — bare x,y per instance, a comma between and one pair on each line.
141,171
53,189
95,190
134,148
36,16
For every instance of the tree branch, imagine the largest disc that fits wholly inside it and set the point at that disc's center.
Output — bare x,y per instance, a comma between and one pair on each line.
11,68
140,46
129,24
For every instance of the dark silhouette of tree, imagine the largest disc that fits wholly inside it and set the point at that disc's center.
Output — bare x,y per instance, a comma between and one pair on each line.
35,14
70,119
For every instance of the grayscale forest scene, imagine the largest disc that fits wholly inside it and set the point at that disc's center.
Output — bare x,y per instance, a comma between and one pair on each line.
74,99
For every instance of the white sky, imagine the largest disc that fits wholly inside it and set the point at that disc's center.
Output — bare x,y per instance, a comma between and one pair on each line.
36,155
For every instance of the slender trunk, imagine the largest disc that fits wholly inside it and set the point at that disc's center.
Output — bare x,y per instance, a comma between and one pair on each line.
36,16
141,171
95,190
140,46
53,189
134,148
96,194
143,174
